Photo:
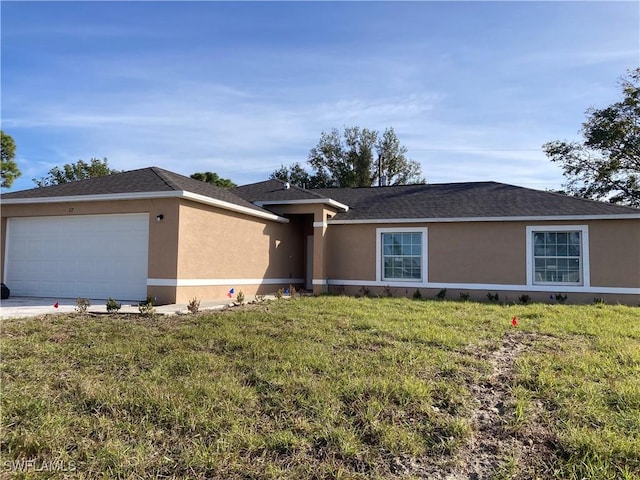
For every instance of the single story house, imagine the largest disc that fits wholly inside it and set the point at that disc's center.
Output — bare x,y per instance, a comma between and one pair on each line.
152,232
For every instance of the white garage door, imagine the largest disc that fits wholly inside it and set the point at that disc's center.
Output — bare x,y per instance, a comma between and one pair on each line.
90,256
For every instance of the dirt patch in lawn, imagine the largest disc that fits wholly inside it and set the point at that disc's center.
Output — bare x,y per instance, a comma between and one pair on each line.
500,447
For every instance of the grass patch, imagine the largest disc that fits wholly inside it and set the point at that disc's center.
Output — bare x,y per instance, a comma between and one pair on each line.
328,387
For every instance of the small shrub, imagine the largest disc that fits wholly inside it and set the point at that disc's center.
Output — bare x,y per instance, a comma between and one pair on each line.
493,297
194,305
387,292
338,289
146,308
442,294
524,299
279,293
113,305
464,296
560,298
82,304
292,291
240,297
417,294
364,291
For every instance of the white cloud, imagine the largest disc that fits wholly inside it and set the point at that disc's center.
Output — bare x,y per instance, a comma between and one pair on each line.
468,104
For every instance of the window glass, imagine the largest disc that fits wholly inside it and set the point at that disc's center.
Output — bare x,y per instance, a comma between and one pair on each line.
557,257
402,256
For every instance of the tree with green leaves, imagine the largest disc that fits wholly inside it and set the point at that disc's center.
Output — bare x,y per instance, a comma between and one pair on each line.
8,167
214,179
295,174
605,165
393,165
355,158
71,172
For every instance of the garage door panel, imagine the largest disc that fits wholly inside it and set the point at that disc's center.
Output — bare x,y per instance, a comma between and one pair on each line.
31,267
49,288
50,268
94,256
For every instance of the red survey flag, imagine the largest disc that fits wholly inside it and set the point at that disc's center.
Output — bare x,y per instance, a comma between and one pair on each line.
514,321
55,305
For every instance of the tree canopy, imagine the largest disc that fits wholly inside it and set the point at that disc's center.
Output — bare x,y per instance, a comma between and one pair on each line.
295,174
355,158
76,171
214,179
8,167
605,165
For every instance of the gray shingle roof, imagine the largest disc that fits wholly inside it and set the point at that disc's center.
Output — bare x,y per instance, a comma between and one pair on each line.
430,201
462,200
274,191
145,180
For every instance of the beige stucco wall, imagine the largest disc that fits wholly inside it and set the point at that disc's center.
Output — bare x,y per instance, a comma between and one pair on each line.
220,244
488,252
352,252
217,245
319,210
479,252
615,253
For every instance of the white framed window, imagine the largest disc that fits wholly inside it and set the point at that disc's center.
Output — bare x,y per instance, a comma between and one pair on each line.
558,255
401,255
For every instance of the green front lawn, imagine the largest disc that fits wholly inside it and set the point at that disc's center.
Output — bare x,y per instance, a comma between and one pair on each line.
328,387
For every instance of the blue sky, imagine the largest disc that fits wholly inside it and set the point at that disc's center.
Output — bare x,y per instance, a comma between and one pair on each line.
472,89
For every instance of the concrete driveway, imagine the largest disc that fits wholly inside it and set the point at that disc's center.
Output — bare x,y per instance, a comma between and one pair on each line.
22,307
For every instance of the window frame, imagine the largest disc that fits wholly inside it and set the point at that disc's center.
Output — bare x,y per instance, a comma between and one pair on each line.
584,254
380,278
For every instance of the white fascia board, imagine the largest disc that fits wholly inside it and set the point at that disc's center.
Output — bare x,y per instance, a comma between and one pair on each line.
326,201
92,198
487,286
554,218
146,196
232,206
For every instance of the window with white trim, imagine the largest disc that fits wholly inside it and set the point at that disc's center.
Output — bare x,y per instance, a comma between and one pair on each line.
402,254
557,255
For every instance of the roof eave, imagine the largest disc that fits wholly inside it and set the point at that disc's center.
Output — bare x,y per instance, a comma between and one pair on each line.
326,201
538,218
148,195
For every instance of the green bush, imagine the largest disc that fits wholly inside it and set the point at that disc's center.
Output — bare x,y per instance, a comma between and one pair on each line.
113,305
82,305
146,308
493,297
240,297
524,299
194,305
